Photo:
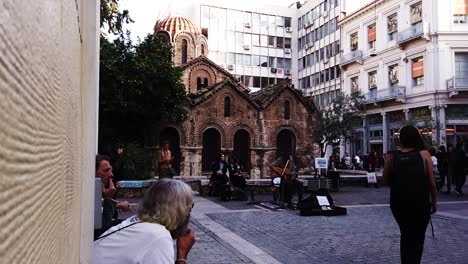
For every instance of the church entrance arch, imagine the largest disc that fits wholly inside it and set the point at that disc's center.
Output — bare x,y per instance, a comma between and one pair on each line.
211,147
171,135
285,142
242,148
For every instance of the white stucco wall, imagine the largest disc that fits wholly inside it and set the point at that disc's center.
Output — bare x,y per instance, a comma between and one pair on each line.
48,102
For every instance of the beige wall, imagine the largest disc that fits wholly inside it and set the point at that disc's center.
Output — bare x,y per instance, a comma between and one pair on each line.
48,95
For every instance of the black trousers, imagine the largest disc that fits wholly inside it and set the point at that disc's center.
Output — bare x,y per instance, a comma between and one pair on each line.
413,225
460,179
288,188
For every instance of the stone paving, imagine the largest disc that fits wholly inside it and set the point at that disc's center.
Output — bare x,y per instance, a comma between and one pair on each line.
234,232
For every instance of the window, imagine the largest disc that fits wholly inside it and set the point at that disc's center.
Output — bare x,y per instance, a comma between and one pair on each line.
354,41
184,51
327,75
279,21
239,59
255,40
461,69
287,43
417,71
272,62
355,85
332,73
393,74
239,39
231,58
205,82
287,64
392,26
199,84
460,11
264,82
263,21
287,22
271,41
279,42
371,36
322,56
255,61
263,40
255,21
416,13
247,60
287,110
227,107
248,39
256,81
202,49
372,79
263,61
280,63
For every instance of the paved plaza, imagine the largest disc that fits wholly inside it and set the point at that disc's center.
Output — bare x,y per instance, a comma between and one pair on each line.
234,232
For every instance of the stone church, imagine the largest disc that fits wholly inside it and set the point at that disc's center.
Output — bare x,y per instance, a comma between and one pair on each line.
225,117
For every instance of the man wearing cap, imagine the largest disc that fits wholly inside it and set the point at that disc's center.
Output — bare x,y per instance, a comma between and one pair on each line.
164,161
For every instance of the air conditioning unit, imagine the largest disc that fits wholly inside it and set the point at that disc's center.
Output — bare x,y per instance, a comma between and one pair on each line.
247,47
325,14
306,46
230,67
308,24
372,52
288,29
311,44
273,70
247,25
287,51
287,71
325,60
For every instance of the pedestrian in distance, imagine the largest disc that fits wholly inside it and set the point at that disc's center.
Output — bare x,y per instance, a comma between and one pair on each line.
410,174
443,167
457,163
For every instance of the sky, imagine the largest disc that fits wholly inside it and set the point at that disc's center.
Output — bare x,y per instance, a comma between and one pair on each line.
146,12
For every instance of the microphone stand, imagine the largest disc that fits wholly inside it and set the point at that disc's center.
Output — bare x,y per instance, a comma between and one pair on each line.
283,183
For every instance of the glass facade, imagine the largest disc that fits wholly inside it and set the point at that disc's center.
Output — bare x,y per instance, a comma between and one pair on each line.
246,42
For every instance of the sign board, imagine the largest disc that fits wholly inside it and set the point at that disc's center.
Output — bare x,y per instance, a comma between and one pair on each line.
321,163
371,177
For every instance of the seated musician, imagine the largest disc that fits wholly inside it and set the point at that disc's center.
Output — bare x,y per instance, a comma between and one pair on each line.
284,166
235,174
219,179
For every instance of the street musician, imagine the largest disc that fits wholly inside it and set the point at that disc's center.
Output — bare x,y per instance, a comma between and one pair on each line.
284,169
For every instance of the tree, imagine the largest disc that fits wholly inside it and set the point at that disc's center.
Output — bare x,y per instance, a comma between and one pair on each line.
338,119
112,17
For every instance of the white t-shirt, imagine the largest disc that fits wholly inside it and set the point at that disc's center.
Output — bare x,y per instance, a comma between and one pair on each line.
358,160
139,244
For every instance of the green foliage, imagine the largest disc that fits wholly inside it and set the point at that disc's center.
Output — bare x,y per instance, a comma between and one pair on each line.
139,87
135,163
339,117
112,17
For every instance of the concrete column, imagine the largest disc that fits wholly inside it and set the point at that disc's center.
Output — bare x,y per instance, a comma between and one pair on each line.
407,114
365,136
435,129
442,126
191,161
384,132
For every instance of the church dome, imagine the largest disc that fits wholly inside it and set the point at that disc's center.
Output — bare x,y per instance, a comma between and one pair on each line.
174,25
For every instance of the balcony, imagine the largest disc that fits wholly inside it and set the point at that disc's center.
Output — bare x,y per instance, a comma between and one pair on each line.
414,32
397,93
354,56
456,85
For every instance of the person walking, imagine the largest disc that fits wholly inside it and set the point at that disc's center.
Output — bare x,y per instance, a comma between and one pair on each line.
458,163
412,192
442,165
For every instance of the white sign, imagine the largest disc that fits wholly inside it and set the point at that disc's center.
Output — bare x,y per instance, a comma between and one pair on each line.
371,177
322,200
321,163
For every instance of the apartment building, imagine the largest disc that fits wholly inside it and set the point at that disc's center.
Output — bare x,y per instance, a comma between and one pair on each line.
409,58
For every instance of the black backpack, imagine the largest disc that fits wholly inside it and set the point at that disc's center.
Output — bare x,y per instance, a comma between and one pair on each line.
409,185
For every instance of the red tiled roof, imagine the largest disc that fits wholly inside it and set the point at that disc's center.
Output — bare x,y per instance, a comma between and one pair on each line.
174,25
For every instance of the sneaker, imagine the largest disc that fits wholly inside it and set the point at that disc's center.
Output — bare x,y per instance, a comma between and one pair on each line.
459,193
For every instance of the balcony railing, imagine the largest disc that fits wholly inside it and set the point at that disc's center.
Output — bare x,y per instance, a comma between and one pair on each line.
415,31
353,56
379,95
457,84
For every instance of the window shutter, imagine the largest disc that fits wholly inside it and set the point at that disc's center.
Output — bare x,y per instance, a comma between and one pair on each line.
418,69
371,34
460,7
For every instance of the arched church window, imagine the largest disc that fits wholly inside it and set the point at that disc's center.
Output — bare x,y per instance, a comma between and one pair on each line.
227,107
199,84
287,110
184,51
205,82
202,49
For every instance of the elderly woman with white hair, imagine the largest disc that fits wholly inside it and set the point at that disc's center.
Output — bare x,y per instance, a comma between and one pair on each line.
163,215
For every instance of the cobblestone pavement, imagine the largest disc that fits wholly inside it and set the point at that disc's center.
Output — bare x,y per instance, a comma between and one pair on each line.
234,232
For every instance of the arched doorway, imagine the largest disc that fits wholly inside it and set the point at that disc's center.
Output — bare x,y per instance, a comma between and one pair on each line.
211,147
285,142
242,148
172,135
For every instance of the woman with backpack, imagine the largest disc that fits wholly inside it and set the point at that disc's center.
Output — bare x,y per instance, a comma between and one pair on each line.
410,174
